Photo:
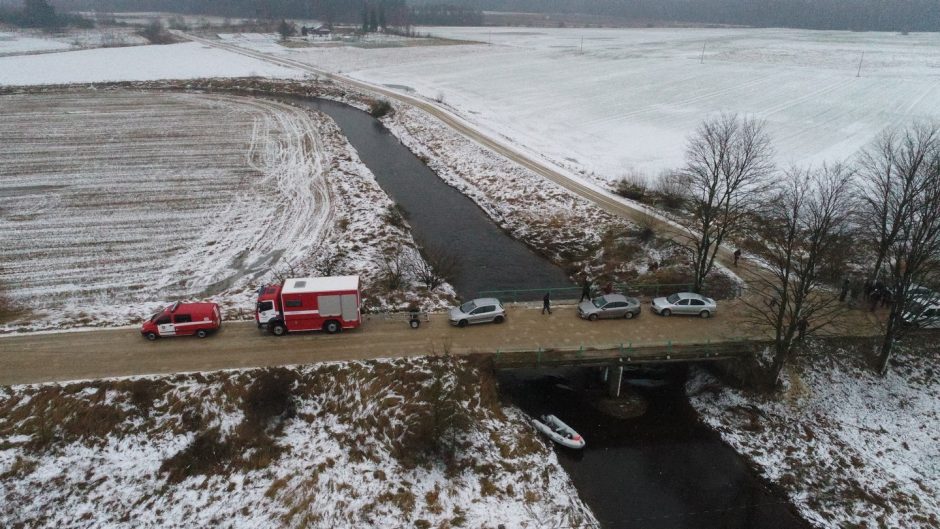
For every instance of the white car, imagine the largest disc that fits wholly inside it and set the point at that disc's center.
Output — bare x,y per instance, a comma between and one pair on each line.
685,303
479,310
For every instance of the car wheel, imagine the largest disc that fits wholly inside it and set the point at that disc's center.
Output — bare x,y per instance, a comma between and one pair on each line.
629,315
202,333
666,312
151,336
331,327
462,323
705,314
593,317
499,319
414,323
278,329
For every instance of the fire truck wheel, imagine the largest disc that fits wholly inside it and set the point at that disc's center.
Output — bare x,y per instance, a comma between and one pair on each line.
202,333
331,327
278,329
151,336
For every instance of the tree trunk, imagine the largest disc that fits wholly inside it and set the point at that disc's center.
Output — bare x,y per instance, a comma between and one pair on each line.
887,345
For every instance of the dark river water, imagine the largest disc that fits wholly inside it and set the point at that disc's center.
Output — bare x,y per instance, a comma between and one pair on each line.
440,216
660,470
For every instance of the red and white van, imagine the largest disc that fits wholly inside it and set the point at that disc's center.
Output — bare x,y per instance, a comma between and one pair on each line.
310,304
183,319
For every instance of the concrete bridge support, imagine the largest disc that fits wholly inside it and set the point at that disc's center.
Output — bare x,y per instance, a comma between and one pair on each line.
614,379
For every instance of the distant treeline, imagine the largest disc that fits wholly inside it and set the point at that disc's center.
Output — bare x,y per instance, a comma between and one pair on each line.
871,15
326,10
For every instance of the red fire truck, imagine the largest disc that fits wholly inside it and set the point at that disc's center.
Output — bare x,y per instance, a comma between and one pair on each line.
310,304
183,319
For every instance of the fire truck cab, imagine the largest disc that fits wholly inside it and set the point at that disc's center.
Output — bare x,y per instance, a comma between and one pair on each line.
329,304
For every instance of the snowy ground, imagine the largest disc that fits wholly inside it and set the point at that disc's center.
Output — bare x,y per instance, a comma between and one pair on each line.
137,63
409,443
849,448
113,203
27,42
626,99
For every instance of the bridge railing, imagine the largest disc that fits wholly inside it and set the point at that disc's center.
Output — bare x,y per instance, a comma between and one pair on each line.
626,352
640,290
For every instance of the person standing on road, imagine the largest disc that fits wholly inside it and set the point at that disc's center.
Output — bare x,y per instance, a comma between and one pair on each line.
737,255
801,327
585,289
547,303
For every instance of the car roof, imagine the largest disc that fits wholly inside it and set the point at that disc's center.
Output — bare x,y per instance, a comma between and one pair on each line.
485,301
690,295
614,297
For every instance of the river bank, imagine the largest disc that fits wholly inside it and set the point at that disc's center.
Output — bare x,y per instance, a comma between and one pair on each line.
848,447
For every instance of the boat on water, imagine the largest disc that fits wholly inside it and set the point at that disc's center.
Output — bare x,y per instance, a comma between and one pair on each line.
559,432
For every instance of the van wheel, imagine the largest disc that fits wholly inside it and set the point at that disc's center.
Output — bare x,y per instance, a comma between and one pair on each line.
629,315
331,327
666,312
462,323
151,336
705,314
202,333
278,329
592,317
499,319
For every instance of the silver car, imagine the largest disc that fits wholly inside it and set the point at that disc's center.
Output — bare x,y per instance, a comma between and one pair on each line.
685,303
609,306
479,310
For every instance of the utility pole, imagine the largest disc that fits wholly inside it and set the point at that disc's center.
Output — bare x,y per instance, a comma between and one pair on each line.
702,60
859,74
581,49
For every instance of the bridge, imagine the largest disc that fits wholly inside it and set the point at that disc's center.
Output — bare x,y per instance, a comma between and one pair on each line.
526,339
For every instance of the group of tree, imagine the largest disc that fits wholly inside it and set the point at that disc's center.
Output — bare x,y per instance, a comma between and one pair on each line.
871,15
40,14
881,211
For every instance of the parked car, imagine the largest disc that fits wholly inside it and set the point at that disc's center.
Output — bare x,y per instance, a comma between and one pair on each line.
479,310
923,308
685,303
183,319
609,306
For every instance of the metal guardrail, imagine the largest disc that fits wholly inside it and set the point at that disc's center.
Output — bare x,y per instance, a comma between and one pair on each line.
625,353
650,290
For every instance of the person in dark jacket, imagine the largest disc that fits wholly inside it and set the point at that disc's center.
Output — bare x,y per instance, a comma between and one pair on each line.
547,303
845,289
737,255
585,289
801,327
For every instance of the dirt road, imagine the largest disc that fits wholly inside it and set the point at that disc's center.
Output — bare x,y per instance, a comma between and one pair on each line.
119,352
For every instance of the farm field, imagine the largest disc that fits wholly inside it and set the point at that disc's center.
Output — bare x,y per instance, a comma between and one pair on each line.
114,203
624,100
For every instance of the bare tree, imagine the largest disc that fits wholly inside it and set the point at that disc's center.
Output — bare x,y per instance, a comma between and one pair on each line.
803,222
912,253
395,269
891,170
728,160
433,266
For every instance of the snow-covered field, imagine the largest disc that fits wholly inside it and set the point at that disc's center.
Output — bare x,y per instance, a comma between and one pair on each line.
408,443
850,449
626,99
137,63
113,203
29,42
